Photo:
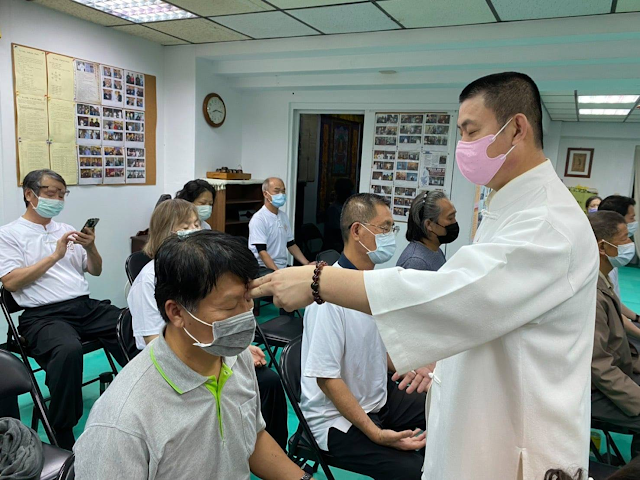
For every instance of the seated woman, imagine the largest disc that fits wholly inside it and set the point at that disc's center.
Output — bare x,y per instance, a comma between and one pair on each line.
432,222
202,194
181,217
592,204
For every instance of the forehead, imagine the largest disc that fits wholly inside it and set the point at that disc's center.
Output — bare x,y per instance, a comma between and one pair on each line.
446,205
228,287
276,183
623,231
50,182
474,109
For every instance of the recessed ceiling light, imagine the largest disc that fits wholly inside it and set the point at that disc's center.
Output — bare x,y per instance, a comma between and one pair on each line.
604,111
608,98
138,11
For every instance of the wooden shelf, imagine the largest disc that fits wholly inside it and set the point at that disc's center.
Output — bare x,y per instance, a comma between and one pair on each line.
235,202
236,222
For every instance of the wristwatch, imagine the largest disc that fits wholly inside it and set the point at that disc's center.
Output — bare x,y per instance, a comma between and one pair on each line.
307,476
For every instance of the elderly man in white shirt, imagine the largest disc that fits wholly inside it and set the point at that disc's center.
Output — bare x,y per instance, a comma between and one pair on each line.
270,234
354,407
42,263
511,317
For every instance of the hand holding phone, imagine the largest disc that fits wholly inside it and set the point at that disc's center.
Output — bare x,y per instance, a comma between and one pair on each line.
90,223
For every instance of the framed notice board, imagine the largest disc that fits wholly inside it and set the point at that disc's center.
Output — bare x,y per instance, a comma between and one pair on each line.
92,123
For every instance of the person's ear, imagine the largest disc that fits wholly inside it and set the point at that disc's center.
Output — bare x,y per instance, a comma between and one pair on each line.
174,313
427,226
601,248
355,231
31,197
522,128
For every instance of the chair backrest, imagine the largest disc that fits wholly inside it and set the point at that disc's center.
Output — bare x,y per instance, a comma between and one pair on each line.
8,301
290,363
312,240
134,264
15,376
68,470
124,332
329,256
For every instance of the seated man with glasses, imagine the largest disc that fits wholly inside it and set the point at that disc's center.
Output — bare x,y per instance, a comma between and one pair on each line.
188,405
354,407
42,263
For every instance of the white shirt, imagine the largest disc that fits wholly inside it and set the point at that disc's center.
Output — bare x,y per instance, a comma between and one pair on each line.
272,230
340,343
615,282
146,319
24,243
513,318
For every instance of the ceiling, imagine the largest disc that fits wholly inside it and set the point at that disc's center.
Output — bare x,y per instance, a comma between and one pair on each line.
234,20
564,106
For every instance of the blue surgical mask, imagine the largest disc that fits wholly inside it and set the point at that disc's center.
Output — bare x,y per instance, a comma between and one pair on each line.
592,210
385,247
48,207
278,200
632,227
204,212
625,254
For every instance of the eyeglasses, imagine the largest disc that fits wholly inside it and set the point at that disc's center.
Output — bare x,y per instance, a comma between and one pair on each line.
393,228
51,191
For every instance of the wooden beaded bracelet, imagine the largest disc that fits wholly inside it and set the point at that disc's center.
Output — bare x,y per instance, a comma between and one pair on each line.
315,286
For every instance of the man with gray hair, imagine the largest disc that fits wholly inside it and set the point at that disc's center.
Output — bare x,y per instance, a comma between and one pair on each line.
270,234
354,407
42,263
432,223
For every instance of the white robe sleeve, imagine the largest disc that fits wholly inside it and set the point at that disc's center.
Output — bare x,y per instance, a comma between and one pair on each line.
483,292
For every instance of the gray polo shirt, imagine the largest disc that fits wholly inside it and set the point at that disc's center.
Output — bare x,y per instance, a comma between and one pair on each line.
418,257
161,420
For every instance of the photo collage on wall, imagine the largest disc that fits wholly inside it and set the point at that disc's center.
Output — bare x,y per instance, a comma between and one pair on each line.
410,154
111,136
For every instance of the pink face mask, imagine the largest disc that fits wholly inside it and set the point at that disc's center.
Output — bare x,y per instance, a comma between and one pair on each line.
474,162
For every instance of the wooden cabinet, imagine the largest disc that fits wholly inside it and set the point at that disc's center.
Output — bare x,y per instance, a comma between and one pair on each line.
232,202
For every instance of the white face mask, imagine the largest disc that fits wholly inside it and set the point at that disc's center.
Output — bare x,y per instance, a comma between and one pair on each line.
633,228
625,254
231,337
385,246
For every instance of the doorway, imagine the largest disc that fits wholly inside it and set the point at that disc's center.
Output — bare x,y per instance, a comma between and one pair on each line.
329,156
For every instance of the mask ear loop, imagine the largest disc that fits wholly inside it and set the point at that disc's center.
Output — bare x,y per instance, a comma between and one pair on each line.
363,245
496,136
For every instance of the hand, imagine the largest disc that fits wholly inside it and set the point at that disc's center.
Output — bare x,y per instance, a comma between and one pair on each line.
86,238
61,245
290,287
258,356
312,263
417,380
406,440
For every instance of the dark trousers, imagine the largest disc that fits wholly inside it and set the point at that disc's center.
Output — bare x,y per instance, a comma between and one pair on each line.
355,452
54,334
273,404
603,409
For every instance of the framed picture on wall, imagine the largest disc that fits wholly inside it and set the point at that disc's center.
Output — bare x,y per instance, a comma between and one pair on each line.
579,162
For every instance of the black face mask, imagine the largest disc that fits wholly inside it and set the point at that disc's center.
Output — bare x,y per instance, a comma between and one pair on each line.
452,233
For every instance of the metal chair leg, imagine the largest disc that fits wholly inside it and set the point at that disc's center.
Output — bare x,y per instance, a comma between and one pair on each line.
596,452
114,370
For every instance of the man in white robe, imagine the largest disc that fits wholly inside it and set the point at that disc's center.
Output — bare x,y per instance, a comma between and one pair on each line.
510,318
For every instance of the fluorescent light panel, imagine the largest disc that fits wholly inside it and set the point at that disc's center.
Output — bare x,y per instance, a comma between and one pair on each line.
604,111
138,11
608,98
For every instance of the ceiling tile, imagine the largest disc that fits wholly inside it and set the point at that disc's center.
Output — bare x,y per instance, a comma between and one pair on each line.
628,6
438,13
266,25
149,34
198,30
86,13
361,17
527,9
558,99
212,8
307,3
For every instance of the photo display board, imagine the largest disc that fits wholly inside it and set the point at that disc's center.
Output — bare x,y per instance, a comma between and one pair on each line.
94,124
411,153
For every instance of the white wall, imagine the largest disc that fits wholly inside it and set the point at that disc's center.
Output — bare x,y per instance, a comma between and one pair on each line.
613,157
123,210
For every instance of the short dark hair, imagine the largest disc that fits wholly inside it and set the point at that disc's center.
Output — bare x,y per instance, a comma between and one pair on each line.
33,180
360,207
508,94
617,203
605,224
188,268
424,207
194,188
591,199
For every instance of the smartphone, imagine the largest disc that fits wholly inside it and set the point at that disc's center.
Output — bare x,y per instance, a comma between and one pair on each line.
91,223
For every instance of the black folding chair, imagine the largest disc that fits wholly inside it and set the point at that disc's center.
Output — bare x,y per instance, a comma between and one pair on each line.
281,330
302,445
124,332
18,344
607,428
599,471
134,264
329,256
312,240
68,472
17,379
